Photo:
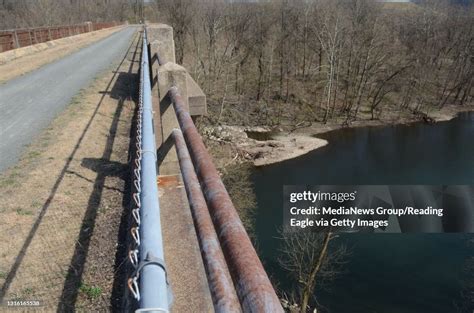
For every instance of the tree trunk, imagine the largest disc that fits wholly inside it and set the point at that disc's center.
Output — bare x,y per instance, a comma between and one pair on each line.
309,287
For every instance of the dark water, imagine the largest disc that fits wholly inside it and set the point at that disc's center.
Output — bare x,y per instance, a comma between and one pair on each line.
402,273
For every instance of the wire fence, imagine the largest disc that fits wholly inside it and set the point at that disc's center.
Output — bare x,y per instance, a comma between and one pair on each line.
18,38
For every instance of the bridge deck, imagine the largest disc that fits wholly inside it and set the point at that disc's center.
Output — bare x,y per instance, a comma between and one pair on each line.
184,263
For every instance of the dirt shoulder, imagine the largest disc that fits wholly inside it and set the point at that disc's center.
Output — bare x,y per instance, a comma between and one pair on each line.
62,205
264,145
33,57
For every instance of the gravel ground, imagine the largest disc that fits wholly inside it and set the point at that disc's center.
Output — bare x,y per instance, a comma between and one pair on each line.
29,103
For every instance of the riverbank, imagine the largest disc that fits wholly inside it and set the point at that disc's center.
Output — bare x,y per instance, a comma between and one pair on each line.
391,118
265,145
439,154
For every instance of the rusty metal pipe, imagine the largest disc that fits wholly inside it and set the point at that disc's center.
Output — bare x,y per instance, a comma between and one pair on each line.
251,282
223,293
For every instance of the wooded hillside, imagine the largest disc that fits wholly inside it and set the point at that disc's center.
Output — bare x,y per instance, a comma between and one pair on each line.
304,61
36,13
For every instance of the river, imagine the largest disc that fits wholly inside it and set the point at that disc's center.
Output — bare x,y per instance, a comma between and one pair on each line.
385,273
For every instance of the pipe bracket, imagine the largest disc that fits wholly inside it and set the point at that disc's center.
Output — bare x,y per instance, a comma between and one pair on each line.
151,259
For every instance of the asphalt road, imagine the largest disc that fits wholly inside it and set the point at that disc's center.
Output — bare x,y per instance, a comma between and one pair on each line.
29,103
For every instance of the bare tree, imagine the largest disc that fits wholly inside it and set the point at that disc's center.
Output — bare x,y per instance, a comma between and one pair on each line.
281,62
308,257
37,13
180,14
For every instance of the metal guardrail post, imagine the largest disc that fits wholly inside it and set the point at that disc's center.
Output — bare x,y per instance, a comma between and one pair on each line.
17,42
222,289
155,296
251,282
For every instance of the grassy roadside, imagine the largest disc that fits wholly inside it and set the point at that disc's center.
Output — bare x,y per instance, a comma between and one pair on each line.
62,203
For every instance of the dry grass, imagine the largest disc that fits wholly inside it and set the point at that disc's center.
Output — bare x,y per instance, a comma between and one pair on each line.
61,205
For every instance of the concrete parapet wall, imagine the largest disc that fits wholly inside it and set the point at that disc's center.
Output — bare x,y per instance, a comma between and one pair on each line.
171,74
160,38
165,74
196,98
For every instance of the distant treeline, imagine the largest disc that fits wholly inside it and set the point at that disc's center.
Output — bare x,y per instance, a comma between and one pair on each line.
317,60
37,13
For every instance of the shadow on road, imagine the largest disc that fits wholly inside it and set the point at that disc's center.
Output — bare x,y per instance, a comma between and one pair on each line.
74,275
125,85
